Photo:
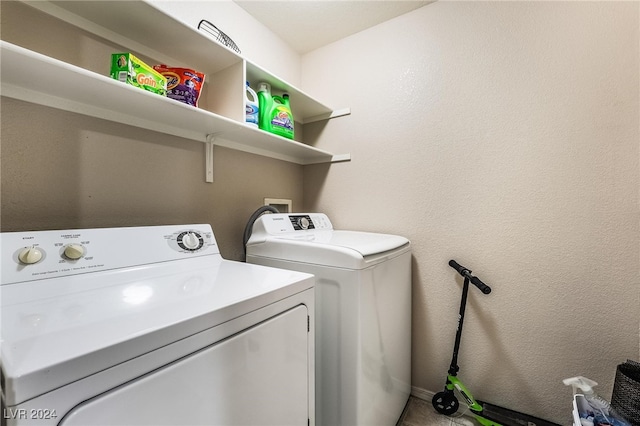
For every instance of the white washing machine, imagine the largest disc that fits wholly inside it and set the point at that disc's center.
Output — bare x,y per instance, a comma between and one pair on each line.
150,326
363,312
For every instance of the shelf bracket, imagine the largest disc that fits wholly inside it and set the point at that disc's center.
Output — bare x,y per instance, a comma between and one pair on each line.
323,117
340,158
208,158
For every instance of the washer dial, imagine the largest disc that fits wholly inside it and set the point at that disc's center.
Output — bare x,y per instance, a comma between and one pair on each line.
303,223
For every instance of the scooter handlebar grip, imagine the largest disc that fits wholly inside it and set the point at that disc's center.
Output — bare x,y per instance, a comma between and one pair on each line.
455,265
482,286
467,274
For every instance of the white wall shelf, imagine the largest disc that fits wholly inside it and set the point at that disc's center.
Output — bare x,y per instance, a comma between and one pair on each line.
147,31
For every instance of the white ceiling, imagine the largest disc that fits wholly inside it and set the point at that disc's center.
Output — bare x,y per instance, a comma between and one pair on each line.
309,24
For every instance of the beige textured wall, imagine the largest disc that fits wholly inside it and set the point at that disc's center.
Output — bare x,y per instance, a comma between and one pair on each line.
504,135
62,170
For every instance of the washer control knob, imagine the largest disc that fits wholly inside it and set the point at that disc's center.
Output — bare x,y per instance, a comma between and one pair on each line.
191,240
303,223
30,255
73,251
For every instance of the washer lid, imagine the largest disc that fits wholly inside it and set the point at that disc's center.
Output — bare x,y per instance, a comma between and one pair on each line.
59,330
365,243
342,249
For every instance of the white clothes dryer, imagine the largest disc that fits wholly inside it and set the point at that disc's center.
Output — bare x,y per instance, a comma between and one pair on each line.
363,312
150,326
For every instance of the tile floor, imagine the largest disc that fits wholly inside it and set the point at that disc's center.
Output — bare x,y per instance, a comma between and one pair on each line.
419,412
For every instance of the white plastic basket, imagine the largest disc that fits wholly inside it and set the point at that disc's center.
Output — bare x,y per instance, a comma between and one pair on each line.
580,408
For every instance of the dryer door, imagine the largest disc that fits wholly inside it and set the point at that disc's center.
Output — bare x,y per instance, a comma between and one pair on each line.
259,376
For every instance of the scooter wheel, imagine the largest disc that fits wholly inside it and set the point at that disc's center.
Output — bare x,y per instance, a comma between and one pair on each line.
445,403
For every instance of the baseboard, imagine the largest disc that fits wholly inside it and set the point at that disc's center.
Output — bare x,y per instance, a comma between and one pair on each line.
422,393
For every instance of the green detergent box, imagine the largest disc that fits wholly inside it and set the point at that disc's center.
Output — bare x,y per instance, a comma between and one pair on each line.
127,68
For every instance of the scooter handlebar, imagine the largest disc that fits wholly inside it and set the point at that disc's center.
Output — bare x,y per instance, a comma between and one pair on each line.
466,273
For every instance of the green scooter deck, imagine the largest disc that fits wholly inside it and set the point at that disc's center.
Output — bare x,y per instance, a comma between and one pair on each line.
507,417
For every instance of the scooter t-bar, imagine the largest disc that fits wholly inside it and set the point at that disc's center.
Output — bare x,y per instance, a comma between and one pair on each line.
466,273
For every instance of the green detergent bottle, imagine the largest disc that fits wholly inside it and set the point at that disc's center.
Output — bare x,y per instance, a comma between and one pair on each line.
275,112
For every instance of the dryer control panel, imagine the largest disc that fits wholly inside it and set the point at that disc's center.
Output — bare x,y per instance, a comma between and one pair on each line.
33,255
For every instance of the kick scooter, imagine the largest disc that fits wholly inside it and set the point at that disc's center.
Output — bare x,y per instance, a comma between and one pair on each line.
486,414
446,402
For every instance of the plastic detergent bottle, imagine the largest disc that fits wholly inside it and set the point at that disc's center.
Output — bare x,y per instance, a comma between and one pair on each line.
282,117
251,106
600,411
275,112
265,103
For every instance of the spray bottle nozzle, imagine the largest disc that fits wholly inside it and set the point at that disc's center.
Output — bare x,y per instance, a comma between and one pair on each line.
582,383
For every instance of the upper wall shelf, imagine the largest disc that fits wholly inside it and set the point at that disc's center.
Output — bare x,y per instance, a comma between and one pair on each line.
147,31
37,78
144,28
